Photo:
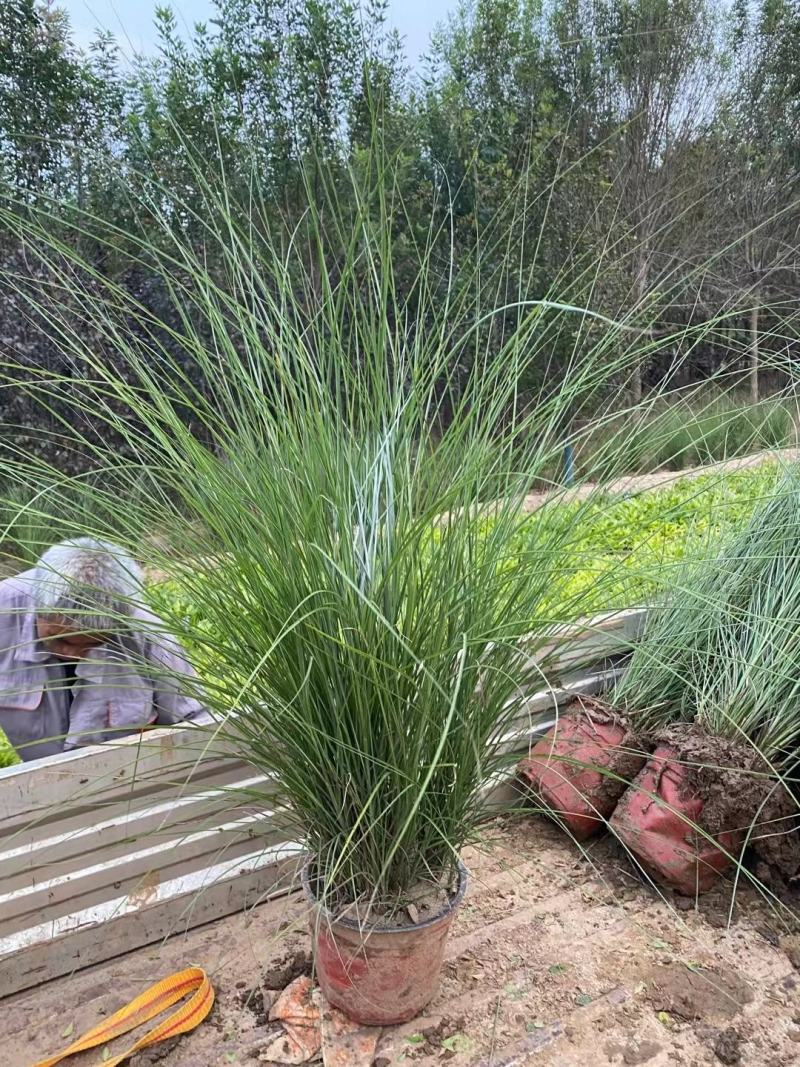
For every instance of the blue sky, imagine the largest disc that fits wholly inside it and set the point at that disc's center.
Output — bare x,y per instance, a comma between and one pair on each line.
131,20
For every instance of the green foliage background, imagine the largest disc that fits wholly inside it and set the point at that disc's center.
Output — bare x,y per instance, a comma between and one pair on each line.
640,158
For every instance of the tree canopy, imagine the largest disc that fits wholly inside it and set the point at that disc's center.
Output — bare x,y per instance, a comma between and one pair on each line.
640,157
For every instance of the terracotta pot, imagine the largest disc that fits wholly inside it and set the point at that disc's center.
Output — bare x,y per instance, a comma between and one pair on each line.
581,768
379,976
664,833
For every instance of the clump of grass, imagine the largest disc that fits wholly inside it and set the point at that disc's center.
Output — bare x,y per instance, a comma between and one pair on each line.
722,649
746,684
706,426
329,521
716,682
39,507
31,519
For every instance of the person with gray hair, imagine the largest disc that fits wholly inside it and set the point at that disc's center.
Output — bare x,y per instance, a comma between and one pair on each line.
81,659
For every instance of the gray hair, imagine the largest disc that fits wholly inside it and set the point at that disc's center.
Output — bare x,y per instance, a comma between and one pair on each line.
92,580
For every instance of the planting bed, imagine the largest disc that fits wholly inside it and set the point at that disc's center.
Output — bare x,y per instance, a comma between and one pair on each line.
556,958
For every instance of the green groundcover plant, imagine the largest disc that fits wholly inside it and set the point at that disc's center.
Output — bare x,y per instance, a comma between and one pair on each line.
8,757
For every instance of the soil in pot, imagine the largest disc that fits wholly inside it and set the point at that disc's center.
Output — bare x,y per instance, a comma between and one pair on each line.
691,808
383,968
580,769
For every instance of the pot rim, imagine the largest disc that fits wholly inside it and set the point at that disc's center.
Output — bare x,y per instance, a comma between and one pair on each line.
353,924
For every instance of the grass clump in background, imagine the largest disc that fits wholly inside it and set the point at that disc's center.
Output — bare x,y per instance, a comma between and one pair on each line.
693,428
714,686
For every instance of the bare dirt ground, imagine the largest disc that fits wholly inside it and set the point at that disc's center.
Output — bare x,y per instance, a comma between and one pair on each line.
556,958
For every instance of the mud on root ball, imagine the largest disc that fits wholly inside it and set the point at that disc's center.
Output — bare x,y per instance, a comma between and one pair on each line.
693,807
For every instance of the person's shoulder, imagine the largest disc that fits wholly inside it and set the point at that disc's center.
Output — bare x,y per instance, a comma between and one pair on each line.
148,627
146,619
17,589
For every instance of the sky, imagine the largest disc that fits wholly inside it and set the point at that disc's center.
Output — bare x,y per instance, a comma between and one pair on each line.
131,21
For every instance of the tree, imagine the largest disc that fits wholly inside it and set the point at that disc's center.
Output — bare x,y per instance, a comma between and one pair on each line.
653,79
760,132
41,83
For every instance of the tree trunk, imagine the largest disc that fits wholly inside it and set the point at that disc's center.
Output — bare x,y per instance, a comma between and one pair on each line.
636,385
754,355
640,293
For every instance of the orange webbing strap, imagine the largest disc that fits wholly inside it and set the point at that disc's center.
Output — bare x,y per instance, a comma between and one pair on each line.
152,1002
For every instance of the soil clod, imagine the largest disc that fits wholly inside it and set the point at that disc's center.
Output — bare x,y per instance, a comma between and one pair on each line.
253,1000
149,1056
434,1036
293,965
637,1052
726,1047
791,946
697,993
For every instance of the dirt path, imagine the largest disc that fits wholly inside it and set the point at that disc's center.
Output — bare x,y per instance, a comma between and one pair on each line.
638,482
556,959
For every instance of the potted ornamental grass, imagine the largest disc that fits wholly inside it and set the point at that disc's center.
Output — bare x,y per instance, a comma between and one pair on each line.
337,489
726,748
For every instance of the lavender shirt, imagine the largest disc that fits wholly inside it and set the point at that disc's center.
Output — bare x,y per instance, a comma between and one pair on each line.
120,688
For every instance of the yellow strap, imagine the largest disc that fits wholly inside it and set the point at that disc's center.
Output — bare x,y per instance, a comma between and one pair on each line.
152,1002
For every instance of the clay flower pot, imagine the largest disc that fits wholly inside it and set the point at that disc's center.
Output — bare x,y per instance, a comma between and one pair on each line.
379,975
579,770
659,820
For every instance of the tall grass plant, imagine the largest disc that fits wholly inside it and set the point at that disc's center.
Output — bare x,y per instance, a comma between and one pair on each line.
323,500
